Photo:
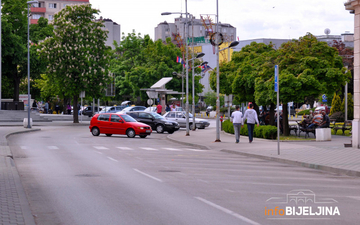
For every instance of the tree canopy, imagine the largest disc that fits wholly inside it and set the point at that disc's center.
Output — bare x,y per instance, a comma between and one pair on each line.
308,69
140,62
77,55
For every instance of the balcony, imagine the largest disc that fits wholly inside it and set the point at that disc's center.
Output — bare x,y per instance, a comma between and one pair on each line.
38,10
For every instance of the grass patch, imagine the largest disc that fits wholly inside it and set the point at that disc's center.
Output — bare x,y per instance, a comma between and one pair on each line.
296,138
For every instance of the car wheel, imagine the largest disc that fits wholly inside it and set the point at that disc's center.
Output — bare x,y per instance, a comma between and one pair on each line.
170,132
143,136
109,135
130,133
160,128
95,131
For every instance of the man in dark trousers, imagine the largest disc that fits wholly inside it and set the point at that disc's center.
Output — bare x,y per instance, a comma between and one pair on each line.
252,118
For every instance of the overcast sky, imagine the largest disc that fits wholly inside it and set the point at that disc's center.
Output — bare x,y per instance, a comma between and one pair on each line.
282,19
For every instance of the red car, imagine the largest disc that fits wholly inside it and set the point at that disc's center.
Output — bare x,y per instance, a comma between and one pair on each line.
112,123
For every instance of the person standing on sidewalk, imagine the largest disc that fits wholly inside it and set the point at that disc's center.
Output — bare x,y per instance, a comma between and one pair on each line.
236,118
252,118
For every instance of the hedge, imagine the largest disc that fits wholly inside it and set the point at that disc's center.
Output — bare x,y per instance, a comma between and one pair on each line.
263,131
306,111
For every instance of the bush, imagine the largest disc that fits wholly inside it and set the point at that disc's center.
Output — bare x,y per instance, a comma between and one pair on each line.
266,131
338,116
306,112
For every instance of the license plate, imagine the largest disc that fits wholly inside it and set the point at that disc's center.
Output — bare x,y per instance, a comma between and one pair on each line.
148,131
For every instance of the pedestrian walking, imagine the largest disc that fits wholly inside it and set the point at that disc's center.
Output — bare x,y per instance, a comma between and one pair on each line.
167,109
47,107
252,118
57,108
68,108
236,118
159,108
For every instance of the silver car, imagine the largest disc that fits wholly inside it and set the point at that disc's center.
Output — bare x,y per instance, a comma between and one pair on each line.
180,117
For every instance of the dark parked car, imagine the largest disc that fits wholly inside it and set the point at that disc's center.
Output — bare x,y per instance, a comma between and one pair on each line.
155,121
111,123
88,111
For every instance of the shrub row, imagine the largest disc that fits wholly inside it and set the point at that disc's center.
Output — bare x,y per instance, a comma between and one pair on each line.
305,112
263,131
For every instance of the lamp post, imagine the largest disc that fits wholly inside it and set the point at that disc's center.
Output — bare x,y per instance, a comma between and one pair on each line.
193,88
187,63
28,41
0,51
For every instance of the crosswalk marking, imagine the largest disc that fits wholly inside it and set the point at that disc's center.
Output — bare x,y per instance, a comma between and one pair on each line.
354,197
100,147
149,149
196,150
52,147
172,149
125,148
24,147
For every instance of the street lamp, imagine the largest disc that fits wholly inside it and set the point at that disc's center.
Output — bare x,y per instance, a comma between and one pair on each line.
187,63
182,85
193,88
28,41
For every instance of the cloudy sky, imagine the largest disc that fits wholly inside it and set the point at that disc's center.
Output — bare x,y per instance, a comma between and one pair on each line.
252,18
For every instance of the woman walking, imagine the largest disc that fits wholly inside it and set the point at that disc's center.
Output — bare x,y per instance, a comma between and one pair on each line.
252,118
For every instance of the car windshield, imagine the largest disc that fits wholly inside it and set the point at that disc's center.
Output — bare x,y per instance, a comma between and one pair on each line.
157,116
128,118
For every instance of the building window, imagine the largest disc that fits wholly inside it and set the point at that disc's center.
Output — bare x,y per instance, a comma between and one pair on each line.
36,16
51,17
52,5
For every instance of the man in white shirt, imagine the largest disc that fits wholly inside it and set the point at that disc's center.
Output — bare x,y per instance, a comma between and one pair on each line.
236,117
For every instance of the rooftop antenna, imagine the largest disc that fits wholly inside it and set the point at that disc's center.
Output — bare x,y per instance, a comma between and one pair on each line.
327,32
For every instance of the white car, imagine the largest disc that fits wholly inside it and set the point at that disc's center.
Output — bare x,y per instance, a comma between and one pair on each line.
180,117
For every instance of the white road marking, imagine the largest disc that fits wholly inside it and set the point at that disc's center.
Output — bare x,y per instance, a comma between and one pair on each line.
196,150
112,159
172,149
149,149
52,147
145,174
100,147
354,197
228,190
125,148
23,147
228,211
98,152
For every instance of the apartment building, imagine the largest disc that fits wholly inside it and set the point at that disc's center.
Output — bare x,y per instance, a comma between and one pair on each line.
197,29
48,8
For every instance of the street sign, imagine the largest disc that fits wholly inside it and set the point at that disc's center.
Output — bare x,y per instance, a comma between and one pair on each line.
276,78
324,98
150,101
82,94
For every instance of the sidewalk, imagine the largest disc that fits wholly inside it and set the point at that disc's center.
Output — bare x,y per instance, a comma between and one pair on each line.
14,207
329,156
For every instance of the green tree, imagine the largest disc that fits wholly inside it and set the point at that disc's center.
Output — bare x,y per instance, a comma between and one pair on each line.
14,48
350,106
140,62
77,55
210,99
335,104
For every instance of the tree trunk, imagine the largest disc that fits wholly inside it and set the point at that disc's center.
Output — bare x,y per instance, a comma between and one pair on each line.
76,110
16,81
285,120
272,114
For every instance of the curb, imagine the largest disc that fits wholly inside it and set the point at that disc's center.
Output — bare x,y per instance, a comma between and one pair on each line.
188,144
297,163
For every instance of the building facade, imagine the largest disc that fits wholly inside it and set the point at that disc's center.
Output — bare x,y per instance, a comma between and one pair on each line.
354,7
114,32
199,29
48,8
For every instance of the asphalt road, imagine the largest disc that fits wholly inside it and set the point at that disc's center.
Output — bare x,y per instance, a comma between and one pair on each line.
71,177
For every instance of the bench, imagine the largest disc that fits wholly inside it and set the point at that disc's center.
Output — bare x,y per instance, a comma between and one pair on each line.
346,126
304,129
